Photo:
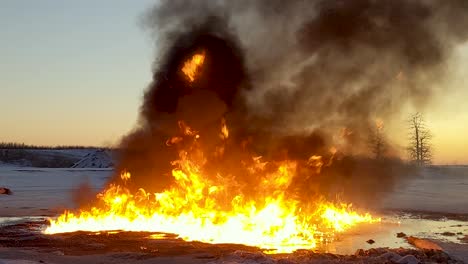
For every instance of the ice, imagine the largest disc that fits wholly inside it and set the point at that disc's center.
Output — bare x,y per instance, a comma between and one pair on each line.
441,189
45,191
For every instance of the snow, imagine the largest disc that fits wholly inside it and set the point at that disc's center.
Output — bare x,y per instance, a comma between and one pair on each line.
56,158
95,159
45,191
441,189
48,191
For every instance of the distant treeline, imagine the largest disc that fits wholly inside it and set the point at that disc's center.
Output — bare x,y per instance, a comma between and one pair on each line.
14,145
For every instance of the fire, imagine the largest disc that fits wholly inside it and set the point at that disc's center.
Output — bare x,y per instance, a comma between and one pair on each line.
224,130
214,209
342,218
191,67
125,176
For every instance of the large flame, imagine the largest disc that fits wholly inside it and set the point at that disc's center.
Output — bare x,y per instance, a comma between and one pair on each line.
214,209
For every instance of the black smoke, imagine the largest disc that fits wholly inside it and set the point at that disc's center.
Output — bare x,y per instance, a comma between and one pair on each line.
292,79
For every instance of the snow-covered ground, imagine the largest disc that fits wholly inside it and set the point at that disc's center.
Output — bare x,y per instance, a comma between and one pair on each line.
57,158
441,190
45,191
96,159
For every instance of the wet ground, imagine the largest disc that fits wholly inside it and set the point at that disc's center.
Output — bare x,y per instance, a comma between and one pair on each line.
24,243
433,206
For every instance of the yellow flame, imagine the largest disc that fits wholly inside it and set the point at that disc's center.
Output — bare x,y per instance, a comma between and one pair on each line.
186,130
341,218
191,66
215,210
224,129
125,176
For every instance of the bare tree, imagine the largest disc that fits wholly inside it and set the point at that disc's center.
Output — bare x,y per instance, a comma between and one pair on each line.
377,142
419,148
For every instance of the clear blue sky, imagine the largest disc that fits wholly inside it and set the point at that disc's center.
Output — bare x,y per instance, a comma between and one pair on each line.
72,72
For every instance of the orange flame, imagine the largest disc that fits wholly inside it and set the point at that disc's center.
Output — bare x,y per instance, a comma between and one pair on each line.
215,210
224,129
191,66
125,176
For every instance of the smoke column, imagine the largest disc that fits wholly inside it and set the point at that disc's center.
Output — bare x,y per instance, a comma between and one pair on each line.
291,79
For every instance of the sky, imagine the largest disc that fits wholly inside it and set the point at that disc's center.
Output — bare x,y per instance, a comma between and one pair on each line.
73,73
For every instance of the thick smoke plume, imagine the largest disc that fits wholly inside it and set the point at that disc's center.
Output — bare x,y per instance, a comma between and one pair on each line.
291,79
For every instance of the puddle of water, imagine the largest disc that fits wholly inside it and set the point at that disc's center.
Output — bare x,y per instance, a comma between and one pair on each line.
385,233
5,221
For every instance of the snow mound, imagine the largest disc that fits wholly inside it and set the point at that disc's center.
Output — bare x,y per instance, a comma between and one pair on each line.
41,158
96,159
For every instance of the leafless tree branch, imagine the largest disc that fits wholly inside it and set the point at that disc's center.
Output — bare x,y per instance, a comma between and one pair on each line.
419,148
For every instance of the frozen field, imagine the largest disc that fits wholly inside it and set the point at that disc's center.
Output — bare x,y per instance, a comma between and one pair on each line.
44,192
442,189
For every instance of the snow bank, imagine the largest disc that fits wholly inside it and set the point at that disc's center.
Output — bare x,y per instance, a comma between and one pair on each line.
95,159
